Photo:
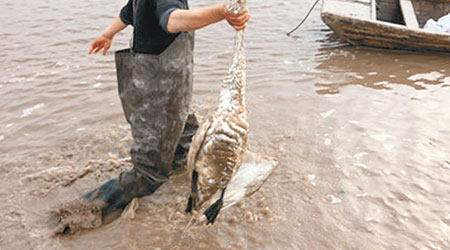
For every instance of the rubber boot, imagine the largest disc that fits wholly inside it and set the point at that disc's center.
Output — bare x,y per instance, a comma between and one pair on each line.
110,197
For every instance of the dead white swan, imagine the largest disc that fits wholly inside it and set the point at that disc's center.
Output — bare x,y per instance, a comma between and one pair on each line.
222,169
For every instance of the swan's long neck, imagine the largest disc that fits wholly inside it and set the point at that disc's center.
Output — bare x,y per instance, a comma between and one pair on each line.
232,94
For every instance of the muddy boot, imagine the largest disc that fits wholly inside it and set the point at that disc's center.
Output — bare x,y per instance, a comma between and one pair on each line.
94,209
103,204
98,207
110,198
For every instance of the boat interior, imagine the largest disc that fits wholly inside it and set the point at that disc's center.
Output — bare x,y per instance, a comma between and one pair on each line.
412,13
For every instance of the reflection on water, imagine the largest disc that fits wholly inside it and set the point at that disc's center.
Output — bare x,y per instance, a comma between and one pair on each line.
362,135
362,67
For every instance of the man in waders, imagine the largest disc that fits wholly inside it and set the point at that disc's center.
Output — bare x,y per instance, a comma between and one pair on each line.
155,88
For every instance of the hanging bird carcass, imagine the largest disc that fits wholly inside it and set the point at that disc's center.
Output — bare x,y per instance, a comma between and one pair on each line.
221,167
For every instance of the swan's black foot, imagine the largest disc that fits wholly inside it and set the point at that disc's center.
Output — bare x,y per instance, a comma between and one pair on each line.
212,212
190,205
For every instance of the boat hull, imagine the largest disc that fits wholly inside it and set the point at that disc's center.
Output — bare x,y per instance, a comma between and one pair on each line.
360,30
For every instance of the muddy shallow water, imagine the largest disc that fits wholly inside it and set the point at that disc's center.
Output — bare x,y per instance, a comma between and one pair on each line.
362,135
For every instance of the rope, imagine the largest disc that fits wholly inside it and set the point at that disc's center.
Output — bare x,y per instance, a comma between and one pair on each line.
304,19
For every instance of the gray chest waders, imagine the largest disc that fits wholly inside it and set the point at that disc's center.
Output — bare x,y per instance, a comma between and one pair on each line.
155,91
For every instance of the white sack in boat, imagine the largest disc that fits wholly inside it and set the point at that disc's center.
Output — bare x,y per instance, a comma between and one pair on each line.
442,25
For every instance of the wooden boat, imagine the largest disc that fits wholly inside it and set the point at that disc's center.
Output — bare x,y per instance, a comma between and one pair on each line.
392,24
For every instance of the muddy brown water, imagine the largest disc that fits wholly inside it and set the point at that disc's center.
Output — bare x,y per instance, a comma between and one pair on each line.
362,136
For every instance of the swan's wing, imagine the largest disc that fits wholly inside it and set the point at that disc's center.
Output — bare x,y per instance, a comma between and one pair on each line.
255,169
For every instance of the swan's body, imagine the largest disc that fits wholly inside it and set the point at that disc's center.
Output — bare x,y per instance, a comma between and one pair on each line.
218,147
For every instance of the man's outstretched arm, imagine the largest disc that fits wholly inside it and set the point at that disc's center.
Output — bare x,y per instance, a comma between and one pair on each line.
186,20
